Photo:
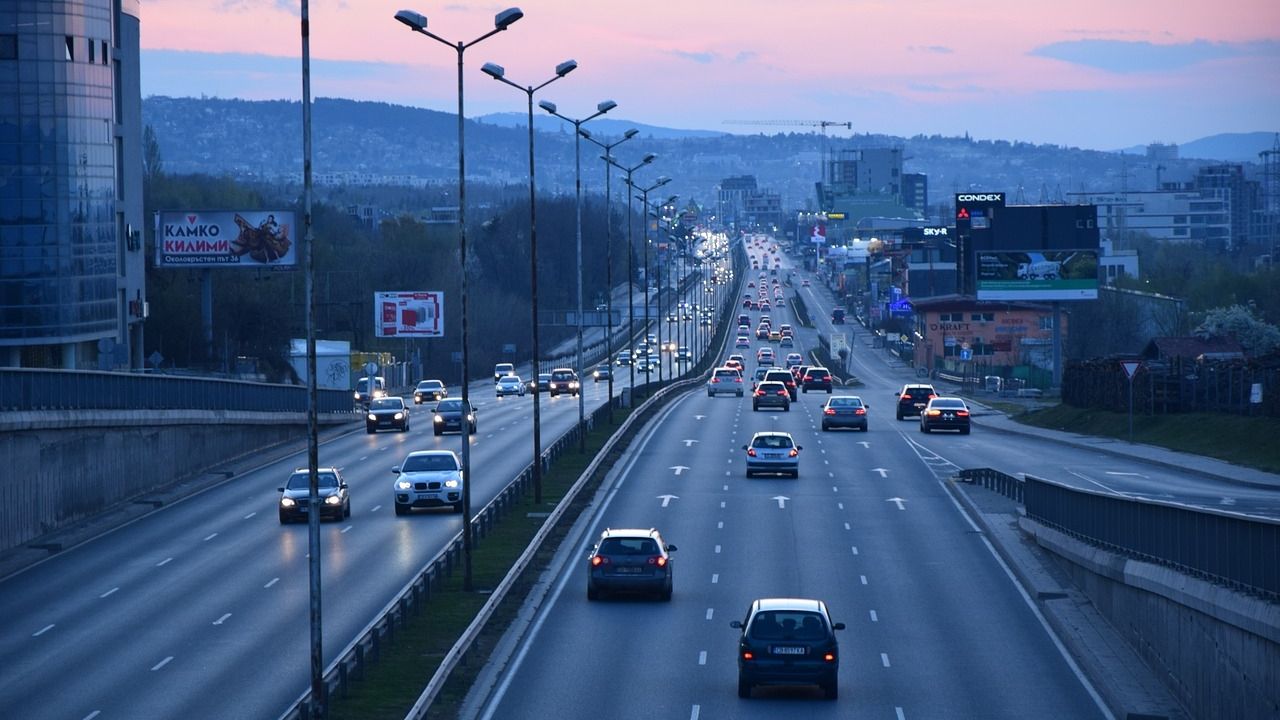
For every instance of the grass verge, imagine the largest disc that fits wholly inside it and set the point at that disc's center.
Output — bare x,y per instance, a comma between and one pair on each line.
392,685
1248,441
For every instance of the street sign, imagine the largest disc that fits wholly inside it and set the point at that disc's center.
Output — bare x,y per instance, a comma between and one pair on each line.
966,354
1130,368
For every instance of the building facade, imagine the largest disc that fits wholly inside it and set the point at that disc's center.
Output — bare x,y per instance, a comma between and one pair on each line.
1183,214
990,334
72,264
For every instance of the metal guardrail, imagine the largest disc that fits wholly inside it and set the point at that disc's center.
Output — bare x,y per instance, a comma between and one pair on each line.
996,481
1238,551
32,389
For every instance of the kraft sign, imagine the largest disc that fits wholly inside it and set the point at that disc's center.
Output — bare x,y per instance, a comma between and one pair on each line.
254,239
408,314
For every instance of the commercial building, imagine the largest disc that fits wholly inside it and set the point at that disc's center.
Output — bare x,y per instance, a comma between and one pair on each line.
1179,213
72,265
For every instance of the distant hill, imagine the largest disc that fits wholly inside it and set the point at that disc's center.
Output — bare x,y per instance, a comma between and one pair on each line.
1223,147
605,126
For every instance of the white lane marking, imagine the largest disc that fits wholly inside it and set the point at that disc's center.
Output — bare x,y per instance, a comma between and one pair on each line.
720,525
847,527
1128,474
717,549
42,630
246,517
109,592
210,537
694,715
726,487
863,578
901,715
93,715
715,578
710,612
840,505
161,664
874,617
164,562
826,462
831,474
1088,479
222,619
366,457
864,443
855,549
884,658
835,489
376,508
722,504
345,529
273,582
702,657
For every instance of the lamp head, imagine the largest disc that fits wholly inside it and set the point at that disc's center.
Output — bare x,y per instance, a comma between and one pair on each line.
548,106
493,70
663,181
416,21
606,106
648,158
630,134
505,18
566,67
584,133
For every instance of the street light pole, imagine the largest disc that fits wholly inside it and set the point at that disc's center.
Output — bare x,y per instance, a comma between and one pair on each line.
417,22
608,234
631,270
644,195
498,73
601,109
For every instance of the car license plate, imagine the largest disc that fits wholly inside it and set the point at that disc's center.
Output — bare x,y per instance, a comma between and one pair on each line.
629,570
787,650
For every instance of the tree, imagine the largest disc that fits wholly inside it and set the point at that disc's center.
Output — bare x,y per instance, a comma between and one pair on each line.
1238,321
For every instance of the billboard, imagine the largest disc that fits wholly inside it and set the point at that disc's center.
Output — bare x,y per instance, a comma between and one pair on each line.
253,239
408,314
1038,275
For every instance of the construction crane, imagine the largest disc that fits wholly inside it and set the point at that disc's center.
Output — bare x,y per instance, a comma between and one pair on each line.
822,125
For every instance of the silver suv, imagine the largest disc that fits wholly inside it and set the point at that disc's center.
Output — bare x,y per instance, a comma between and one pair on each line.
427,479
725,380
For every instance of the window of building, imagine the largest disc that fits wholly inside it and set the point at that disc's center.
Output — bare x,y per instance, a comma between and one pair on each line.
89,44
1046,323
71,48
8,46
1179,219
104,52
983,317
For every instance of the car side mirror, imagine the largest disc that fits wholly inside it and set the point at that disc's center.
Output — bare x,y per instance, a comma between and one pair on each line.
799,447
342,485
671,548
744,447
736,624
279,489
837,626
395,470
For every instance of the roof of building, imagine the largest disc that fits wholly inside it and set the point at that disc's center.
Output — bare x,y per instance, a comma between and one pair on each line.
1192,347
945,303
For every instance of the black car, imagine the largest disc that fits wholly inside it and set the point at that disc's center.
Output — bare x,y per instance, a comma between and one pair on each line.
429,391
788,641
844,411
295,496
784,377
387,412
630,560
564,382
816,378
603,371
771,393
945,413
448,417
912,399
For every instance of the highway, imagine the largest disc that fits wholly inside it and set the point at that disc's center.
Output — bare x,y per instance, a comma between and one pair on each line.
200,610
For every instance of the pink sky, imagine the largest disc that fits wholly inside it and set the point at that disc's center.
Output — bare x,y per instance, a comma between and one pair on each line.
904,67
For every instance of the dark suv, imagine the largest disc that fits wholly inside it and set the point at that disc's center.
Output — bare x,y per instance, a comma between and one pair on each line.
913,398
784,377
771,394
816,378
630,560
788,641
564,382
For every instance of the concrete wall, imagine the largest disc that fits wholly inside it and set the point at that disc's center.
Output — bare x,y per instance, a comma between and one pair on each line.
61,468
1217,650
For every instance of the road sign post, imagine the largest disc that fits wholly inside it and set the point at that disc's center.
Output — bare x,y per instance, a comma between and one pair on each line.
1130,369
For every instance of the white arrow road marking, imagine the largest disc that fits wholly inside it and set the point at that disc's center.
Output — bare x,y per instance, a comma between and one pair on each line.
897,500
666,499
864,443
679,468
222,619
782,501
698,417
1227,501
689,443
883,472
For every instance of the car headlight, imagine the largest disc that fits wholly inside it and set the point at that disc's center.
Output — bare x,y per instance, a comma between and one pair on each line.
332,500
471,418
452,483
399,416
403,484
372,417
573,385
287,502
439,419
357,395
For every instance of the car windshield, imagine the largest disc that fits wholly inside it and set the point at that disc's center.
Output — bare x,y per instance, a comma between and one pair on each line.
387,404
846,402
562,375
781,376
301,481
818,373
449,406
777,442
787,624
628,546
947,403
428,463
509,380
430,385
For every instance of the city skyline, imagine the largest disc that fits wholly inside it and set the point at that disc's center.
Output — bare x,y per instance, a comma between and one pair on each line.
1092,75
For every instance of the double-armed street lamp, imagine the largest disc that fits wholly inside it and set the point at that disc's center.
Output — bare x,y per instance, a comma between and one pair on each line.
644,197
601,109
608,234
631,271
417,22
498,73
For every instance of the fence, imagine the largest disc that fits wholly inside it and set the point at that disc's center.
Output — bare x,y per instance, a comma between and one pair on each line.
1175,386
30,389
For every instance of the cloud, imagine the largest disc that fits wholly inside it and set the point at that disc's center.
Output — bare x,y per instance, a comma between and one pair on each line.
702,58
1125,56
745,56
935,88
937,49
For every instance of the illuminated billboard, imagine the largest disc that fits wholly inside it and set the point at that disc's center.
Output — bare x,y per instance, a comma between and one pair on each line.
1037,275
252,239
408,314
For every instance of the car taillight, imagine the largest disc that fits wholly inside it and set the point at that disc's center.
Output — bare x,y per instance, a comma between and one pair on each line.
829,657
751,452
746,655
905,397
782,392
829,411
794,452
715,380
931,396
860,411
658,560
808,378
760,393
597,561
962,413
737,379
932,413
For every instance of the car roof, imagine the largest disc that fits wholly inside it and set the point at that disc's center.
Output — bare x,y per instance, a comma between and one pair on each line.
947,400
917,386
420,453
628,532
803,604
769,433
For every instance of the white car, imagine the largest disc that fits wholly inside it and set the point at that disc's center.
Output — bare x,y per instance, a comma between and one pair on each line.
508,385
428,479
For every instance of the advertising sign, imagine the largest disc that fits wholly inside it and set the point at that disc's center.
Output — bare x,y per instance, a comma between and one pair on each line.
252,239
408,314
1038,275
818,234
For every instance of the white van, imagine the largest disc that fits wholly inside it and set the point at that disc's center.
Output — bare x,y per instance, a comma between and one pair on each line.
503,369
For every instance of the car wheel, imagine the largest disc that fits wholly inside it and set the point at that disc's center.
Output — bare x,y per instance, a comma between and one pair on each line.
786,408
473,429
370,431
457,507
749,473
754,407
744,688
592,593
402,509
923,429
710,394
899,415
828,391
439,433
831,690
283,520
739,393
826,427
795,474
964,431
665,595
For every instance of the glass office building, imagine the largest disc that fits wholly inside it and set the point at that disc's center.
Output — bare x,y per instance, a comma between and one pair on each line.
71,261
